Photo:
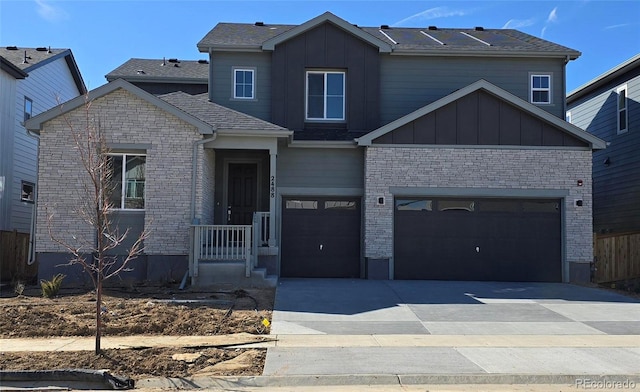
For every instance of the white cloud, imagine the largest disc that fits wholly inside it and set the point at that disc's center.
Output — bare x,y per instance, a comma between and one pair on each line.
519,23
552,18
50,12
431,13
553,15
617,26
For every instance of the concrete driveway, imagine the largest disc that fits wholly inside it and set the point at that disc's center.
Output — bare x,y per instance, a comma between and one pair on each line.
360,327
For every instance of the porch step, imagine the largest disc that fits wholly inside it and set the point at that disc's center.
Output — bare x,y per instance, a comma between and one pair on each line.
231,273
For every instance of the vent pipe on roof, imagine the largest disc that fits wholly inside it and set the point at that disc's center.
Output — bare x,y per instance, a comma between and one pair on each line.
49,51
25,58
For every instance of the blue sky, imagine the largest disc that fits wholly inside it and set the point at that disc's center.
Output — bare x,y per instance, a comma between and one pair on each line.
104,34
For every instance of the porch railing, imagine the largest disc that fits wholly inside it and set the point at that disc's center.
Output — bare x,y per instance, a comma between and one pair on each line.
222,242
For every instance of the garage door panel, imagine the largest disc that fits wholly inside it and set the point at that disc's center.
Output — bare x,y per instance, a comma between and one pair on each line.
481,239
320,237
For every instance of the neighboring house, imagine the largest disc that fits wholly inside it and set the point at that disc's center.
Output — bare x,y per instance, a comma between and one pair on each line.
331,150
609,108
32,80
165,75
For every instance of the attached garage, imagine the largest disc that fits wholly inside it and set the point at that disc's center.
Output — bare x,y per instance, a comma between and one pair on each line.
321,237
478,239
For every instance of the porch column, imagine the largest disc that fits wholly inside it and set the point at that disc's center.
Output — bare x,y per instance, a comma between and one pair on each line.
272,197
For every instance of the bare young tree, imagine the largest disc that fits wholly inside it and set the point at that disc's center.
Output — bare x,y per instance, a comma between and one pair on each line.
96,208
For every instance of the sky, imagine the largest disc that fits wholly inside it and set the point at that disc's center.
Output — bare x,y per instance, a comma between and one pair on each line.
103,34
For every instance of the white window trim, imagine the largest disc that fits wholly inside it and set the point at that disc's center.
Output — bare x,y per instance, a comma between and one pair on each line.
306,95
532,89
253,82
24,108
625,109
124,175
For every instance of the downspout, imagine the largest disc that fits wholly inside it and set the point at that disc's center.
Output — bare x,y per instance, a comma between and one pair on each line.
194,221
32,229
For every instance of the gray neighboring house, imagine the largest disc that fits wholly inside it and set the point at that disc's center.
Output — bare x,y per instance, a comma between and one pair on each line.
609,108
331,150
163,76
32,81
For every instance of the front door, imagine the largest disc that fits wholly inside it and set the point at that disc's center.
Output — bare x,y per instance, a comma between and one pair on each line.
242,193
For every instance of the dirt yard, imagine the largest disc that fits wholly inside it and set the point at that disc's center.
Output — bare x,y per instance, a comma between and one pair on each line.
138,311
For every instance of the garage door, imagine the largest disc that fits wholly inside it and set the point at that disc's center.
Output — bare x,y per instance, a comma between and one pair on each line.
477,239
320,237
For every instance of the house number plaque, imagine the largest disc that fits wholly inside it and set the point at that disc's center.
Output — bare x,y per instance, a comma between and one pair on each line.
272,187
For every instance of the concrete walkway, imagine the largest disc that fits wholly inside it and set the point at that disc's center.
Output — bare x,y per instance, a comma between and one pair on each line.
382,335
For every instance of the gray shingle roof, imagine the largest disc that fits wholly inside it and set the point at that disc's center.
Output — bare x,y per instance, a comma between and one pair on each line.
28,59
195,71
402,39
216,115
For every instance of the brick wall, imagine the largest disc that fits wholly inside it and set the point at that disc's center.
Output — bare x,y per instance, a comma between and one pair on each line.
126,119
527,169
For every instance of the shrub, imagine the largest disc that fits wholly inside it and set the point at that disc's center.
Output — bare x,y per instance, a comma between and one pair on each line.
51,287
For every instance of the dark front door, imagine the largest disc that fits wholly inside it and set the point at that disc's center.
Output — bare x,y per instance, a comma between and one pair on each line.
320,237
478,239
242,193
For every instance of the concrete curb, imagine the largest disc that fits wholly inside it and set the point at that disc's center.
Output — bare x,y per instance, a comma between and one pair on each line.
70,378
388,379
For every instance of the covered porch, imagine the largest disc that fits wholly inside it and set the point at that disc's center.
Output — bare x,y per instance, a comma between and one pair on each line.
233,235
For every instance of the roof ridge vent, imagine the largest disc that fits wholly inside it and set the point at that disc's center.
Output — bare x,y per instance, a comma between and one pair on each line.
140,72
259,24
12,48
433,27
479,28
203,61
384,27
41,49
174,61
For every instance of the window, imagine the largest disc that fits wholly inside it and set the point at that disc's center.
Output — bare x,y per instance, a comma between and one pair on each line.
301,204
128,181
622,109
540,88
28,108
340,205
244,82
27,192
325,95
414,205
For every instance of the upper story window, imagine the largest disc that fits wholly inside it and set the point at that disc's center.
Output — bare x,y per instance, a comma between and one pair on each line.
244,83
540,89
623,118
325,95
28,108
128,181
27,192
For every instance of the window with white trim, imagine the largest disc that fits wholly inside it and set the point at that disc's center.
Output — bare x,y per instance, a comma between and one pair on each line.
325,95
127,181
623,118
28,108
244,83
540,89
27,192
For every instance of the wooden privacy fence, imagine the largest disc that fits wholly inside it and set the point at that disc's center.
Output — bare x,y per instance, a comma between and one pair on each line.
14,255
617,256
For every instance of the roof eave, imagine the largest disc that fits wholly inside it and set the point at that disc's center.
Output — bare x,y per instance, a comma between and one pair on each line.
11,69
484,53
155,79
254,132
35,123
603,79
230,48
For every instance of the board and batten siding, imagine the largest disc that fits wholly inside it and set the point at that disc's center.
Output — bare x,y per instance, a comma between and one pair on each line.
46,86
7,119
616,186
408,83
221,87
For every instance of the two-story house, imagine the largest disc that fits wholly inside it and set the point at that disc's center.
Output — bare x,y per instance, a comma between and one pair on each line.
32,80
609,108
331,150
